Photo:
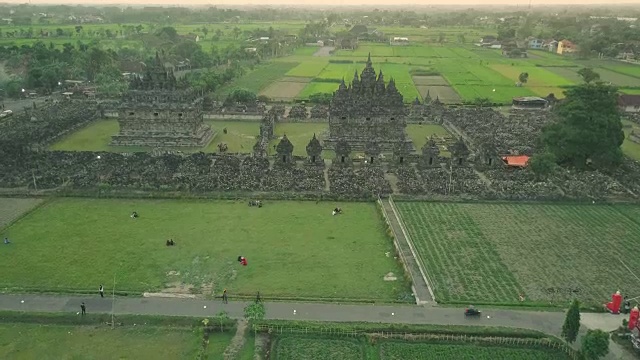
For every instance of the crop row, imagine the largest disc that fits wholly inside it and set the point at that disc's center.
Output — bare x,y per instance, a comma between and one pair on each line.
550,253
313,348
402,351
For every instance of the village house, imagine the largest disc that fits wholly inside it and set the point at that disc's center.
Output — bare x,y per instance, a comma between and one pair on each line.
566,47
536,44
551,46
629,103
488,40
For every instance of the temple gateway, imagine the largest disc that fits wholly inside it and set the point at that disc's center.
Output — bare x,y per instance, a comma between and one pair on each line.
368,111
155,113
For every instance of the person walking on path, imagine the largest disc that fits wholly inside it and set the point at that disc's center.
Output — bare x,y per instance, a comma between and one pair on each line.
101,291
224,297
84,308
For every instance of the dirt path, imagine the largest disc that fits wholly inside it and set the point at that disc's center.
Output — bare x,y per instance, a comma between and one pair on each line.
231,352
324,51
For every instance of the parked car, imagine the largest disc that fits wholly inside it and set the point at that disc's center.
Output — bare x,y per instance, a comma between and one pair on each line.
6,113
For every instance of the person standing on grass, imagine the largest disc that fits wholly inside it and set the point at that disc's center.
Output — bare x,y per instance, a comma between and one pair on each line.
101,291
84,308
258,299
224,297
6,241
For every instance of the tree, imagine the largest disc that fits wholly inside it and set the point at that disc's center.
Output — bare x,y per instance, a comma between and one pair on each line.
236,32
542,165
505,32
254,311
595,344
571,325
461,38
242,96
524,77
78,29
588,130
588,75
205,31
222,318
441,38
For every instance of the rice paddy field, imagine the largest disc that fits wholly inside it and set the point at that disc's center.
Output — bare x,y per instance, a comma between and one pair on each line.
492,253
310,347
469,72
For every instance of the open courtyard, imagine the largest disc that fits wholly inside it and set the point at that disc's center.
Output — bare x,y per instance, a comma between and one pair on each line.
295,250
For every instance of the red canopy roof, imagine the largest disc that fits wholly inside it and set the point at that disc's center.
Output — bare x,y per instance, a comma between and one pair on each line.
518,161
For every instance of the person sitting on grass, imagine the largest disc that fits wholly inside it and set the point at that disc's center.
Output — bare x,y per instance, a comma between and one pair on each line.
134,215
337,211
6,241
170,242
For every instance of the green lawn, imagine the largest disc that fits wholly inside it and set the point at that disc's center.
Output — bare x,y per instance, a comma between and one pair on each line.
550,253
32,341
295,249
240,137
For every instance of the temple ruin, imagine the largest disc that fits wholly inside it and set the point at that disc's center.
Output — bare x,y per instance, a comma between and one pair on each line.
368,111
154,112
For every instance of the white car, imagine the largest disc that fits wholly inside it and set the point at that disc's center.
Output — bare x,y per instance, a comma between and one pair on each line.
6,113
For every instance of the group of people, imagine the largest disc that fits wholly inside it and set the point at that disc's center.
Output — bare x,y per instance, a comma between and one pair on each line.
337,211
257,203
134,215
170,242
242,260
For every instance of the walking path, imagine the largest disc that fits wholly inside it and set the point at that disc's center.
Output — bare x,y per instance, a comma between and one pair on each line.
547,322
420,285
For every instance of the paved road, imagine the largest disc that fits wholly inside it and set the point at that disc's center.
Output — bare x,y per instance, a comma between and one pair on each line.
548,322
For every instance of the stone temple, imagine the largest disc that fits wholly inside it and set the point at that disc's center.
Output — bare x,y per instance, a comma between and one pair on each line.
368,111
155,113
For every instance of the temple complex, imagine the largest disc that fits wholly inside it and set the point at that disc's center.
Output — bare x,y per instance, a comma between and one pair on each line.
368,111
155,113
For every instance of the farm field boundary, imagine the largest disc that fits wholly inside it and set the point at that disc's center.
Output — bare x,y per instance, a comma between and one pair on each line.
329,333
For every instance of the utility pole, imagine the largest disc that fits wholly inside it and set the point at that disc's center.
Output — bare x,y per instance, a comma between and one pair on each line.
113,303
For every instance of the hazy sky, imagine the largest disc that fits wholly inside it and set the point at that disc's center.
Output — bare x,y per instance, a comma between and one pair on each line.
330,2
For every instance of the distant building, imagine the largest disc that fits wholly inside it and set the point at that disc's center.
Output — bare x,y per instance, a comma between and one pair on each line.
552,46
566,47
399,41
529,103
629,103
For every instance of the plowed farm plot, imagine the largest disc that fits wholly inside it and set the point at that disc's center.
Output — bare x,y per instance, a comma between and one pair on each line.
492,253
286,89
13,208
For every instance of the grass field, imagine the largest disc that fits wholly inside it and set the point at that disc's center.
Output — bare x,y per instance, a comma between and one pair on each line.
295,249
420,134
240,137
318,87
299,134
631,148
494,252
392,350
31,341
